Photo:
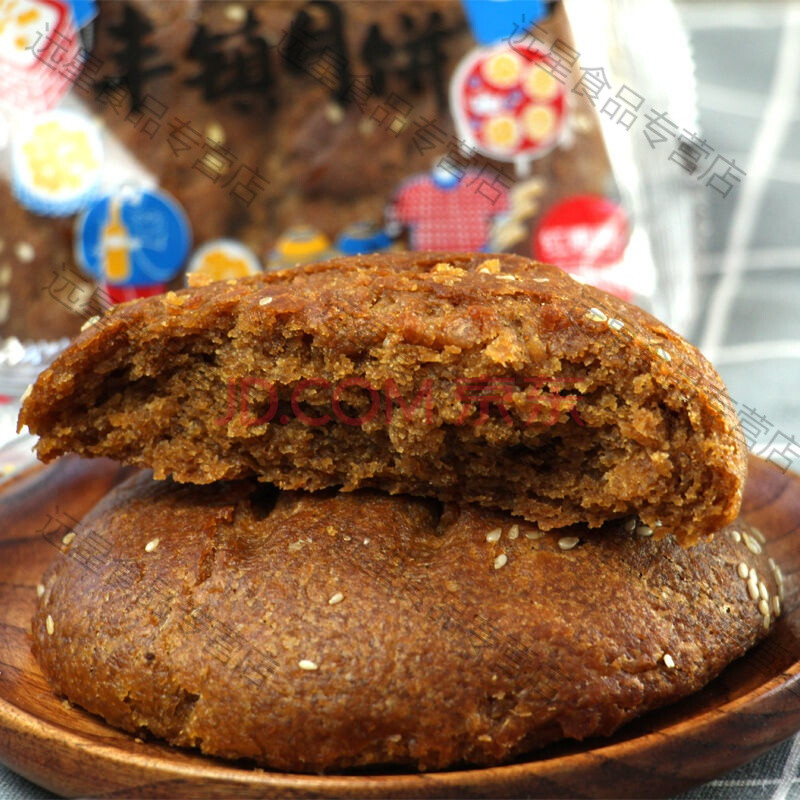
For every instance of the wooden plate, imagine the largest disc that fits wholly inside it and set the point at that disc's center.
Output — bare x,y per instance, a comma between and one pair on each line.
752,706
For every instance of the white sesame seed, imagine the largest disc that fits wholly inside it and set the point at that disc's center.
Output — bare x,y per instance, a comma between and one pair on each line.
743,570
366,126
596,315
307,665
736,536
669,661
513,532
662,353
776,605
490,265
334,113
398,124
630,524
541,280
763,607
151,545
765,620
762,591
568,542
91,321
335,598
494,535
752,590
215,132
24,252
616,324
484,737
644,530
27,393
236,12
778,575
752,575
68,538
50,625
500,561
758,535
534,535
506,277
40,590
751,544
367,540
265,301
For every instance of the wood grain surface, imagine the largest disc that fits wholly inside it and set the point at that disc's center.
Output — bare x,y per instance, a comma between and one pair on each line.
752,706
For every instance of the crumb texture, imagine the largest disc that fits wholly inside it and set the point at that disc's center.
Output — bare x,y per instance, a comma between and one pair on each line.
469,378
329,631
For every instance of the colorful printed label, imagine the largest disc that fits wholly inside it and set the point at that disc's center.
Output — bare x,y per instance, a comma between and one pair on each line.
57,162
300,244
37,37
362,237
454,217
587,235
133,238
493,20
506,104
223,259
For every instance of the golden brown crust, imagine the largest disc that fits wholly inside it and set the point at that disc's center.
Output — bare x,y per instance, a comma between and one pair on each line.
599,410
327,631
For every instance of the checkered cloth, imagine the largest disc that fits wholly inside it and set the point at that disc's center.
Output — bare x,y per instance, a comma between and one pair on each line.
749,275
748,71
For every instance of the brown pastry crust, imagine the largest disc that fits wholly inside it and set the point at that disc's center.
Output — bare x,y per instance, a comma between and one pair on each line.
597,413
214,623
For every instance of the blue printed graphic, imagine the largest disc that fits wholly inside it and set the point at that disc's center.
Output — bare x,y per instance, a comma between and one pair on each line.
133,238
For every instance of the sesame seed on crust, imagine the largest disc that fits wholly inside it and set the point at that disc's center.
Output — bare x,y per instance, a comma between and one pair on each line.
568,542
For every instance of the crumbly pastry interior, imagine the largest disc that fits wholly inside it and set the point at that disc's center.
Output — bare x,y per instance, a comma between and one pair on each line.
491,380
326,631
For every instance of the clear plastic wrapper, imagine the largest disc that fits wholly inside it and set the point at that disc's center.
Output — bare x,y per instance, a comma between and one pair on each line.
193,141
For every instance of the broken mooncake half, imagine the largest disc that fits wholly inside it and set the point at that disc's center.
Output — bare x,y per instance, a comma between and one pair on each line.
493,380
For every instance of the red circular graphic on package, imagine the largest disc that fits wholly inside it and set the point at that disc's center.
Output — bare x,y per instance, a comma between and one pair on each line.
582,231
507,103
